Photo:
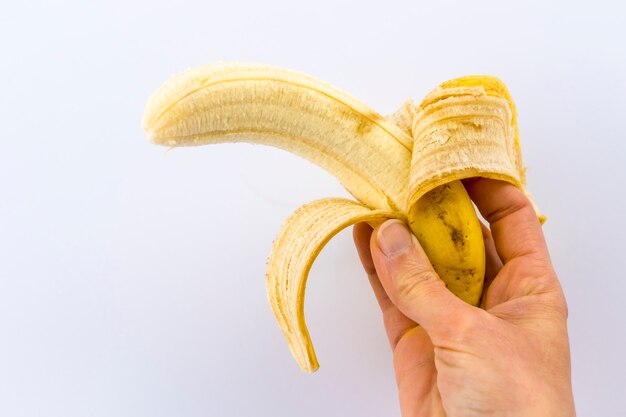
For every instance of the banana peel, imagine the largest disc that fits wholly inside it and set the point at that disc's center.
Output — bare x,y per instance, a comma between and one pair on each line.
407,165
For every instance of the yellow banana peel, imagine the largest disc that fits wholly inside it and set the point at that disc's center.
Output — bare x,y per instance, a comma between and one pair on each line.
407,165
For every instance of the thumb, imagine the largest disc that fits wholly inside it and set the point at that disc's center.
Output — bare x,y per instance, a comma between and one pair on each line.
411,282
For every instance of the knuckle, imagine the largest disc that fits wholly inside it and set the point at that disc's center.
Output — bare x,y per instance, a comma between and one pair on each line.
517,203
415,286
416,281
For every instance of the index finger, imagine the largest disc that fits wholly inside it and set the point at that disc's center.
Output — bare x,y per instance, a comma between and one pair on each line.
514,224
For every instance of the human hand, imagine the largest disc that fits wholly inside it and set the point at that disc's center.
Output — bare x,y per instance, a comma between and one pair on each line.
508,358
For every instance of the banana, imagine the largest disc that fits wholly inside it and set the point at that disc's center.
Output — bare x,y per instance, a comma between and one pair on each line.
407,165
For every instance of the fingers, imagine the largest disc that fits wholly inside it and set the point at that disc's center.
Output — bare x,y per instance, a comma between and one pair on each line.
410,281
396,323
512,219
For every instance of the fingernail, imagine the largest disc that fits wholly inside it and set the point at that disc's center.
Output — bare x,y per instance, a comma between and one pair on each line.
393,237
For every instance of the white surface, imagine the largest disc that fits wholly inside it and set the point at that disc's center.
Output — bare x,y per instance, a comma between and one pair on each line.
132,282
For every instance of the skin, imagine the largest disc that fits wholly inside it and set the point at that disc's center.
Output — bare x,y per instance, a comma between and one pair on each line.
510,357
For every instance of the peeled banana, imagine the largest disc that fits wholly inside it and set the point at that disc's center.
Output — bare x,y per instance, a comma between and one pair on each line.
407,165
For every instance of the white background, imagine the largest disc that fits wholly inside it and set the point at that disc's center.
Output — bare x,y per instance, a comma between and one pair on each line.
132,280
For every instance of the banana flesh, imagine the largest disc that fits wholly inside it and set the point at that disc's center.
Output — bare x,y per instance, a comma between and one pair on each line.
406,165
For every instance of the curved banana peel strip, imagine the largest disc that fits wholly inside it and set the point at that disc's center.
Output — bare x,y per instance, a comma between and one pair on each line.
406,165
466,127
290,110
301,238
